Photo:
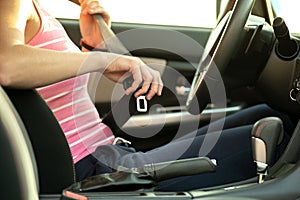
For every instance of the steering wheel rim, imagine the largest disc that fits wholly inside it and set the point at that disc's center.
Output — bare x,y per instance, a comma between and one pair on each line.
206,78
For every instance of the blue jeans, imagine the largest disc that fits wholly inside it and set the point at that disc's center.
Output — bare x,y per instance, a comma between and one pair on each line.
231,148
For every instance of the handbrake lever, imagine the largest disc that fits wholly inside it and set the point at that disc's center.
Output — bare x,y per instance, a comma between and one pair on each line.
144,177
172,169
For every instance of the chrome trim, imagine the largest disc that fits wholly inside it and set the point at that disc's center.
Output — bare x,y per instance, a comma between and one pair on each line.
169,117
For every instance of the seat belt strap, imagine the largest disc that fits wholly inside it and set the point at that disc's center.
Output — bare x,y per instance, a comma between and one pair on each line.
112,42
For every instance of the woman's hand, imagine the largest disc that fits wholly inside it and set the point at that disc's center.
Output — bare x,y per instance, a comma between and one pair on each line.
125,66
88,25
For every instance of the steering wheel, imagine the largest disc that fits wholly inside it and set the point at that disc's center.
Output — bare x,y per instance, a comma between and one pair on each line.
218,51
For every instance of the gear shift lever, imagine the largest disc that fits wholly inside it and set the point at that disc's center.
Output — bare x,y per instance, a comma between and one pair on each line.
266,134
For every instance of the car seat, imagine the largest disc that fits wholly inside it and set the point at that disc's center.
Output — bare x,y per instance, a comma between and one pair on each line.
18,167
53,157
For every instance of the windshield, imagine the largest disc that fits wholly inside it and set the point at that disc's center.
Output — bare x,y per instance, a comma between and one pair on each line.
289,11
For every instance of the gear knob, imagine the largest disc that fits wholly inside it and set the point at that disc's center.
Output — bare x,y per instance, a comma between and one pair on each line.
266,134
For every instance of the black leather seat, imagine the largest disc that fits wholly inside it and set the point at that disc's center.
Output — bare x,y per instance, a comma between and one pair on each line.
52,153
18,170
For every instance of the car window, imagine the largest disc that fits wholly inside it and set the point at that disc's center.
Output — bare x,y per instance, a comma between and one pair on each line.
196,13
289,11
61,8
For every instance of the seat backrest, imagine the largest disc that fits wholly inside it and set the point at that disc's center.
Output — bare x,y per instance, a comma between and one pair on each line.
18,169
52,153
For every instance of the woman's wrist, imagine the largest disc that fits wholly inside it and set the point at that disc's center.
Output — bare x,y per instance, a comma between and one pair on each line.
96,61
89,47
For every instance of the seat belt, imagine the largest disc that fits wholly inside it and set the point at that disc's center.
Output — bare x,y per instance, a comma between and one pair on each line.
114,45
112,42
117,116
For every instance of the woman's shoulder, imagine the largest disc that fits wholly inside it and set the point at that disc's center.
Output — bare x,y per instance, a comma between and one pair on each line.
16,14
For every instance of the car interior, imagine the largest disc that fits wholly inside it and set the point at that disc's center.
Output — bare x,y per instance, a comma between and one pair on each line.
255,57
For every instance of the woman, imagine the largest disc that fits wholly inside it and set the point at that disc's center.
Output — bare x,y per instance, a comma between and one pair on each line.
37,53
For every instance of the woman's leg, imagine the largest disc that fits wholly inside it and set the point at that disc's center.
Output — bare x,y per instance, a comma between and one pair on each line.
250,116
233,153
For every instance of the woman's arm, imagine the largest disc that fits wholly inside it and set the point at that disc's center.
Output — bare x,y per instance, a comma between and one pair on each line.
23,66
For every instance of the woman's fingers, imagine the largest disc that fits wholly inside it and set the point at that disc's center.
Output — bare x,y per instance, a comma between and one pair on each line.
156,86
152,84
146,81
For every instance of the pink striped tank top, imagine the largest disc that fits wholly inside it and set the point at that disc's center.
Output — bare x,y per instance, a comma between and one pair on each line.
69,100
